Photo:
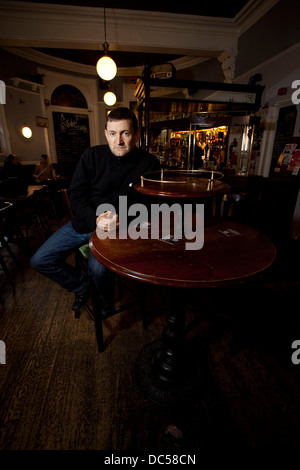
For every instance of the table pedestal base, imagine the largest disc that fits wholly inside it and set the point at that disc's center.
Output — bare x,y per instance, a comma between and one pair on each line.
186,386
169,371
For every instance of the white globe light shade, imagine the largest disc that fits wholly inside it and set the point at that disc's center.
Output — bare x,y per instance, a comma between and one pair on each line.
110,98
26,132
106,68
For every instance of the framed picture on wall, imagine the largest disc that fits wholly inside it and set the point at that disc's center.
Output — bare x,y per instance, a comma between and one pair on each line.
41,121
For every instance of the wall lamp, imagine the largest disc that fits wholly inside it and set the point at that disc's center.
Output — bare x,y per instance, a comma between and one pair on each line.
26,132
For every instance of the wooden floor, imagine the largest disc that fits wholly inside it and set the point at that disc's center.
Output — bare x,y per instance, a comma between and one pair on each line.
58,393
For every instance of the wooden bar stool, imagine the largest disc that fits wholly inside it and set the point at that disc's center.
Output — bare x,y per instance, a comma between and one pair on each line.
82,255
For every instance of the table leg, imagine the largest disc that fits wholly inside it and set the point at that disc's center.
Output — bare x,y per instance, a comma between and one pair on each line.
168,361
165,369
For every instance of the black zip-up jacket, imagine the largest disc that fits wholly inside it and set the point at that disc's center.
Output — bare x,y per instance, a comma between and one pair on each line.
101,177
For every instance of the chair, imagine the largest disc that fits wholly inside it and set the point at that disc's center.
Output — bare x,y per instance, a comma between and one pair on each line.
52,197
31,214
82,255
5,209
242,207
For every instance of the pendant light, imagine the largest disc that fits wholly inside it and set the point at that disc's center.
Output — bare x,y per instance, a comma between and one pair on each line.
106,67
109,98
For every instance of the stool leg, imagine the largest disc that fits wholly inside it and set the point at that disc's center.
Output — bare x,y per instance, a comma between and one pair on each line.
97,318
3,264
143,305
120,288
9,250
77,313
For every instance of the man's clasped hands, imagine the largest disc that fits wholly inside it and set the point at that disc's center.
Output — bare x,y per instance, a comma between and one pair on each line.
108,221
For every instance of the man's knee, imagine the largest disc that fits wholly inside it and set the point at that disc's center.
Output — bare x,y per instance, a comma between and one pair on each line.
39,262
36,262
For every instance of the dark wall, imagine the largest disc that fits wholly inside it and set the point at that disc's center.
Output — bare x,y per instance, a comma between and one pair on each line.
276,31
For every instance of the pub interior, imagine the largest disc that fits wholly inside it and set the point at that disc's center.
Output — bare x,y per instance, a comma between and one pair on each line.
216,91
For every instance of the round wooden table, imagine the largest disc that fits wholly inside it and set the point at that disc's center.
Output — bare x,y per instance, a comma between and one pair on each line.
232,253
182,184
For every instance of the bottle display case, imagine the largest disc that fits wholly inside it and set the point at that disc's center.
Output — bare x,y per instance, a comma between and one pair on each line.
193,125
191,148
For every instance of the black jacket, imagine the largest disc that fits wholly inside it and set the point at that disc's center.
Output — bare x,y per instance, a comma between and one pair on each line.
101,177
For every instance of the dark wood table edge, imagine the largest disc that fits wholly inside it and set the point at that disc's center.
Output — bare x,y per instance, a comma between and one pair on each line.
156,365
175,282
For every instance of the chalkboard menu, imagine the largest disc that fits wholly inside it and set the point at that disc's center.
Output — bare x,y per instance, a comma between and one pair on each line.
72,136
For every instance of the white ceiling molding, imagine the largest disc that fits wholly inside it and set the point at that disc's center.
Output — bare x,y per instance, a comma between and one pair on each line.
251,13
45,25
73,67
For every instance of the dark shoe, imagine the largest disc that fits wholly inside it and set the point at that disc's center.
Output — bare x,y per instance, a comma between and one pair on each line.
81,299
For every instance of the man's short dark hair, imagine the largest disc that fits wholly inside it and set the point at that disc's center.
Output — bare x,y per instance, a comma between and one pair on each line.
117,114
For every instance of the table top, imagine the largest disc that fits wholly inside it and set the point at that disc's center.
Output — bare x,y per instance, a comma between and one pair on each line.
182,184
31,189
231,253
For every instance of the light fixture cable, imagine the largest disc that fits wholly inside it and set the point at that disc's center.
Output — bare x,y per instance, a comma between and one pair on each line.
106,67
105,45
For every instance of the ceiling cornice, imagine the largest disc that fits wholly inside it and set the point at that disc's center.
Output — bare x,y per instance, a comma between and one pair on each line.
31,24
73,67
251,13
27,25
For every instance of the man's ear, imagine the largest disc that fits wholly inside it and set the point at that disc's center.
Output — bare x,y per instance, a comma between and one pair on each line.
105,133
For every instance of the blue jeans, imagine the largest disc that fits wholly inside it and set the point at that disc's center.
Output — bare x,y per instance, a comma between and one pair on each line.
50,260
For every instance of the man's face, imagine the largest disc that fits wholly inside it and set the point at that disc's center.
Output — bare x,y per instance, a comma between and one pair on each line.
121,137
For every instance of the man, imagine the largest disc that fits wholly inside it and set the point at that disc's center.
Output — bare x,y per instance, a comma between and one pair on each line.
103,173
44,170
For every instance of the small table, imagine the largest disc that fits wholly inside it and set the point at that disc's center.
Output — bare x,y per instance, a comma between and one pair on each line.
232,253
182,184
30,190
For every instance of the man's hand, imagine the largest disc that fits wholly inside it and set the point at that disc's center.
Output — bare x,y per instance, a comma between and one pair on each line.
108,221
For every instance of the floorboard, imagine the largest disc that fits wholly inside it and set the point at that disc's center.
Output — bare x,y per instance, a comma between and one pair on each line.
58,393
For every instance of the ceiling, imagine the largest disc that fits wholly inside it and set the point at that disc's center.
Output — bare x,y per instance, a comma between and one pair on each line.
135,59
123,59
227,9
